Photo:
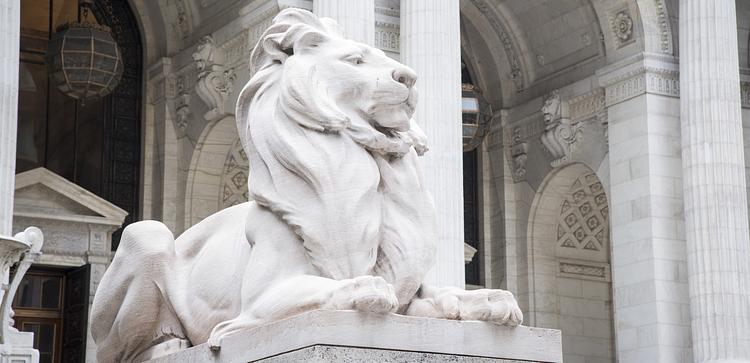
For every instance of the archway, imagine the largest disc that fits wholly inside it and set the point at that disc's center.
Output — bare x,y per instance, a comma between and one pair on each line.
218,172
569,255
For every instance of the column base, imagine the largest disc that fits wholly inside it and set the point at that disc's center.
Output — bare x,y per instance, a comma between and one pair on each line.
350,336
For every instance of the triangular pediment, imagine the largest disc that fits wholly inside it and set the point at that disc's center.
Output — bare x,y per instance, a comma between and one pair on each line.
44,194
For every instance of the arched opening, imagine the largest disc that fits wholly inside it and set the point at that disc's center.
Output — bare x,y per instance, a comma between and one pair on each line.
218,173
95,144
569,251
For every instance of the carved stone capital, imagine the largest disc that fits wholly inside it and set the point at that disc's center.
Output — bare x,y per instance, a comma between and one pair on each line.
215,82
560,131
643,73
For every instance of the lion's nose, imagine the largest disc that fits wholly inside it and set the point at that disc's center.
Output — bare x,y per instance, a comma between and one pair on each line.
404,76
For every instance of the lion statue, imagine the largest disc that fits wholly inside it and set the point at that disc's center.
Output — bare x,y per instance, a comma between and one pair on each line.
339,217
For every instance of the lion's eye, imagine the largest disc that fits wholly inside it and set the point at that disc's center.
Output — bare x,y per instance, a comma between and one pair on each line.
354,59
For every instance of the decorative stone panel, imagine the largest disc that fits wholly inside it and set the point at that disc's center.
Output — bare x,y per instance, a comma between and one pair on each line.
234,177
586,270
583,223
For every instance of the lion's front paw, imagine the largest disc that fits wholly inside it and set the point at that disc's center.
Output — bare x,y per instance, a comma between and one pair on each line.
497,306
364,293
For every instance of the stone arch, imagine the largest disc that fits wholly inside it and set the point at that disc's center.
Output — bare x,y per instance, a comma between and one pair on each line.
214,163
569,254
659,26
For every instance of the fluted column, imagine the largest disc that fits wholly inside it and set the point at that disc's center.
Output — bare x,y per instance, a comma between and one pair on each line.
9,37
716,224
356,17
430,44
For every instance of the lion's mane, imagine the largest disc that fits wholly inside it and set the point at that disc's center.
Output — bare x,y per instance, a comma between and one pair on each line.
299,167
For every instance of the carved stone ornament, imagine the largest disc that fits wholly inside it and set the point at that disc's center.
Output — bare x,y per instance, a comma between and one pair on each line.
215,83
338,217
622,27
17,253
560,133
182,109
519,155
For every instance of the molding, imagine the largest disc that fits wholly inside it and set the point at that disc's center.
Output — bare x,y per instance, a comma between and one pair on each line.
383,10
108,212
665,30
587,105
387,36
585,270
509,45
643,73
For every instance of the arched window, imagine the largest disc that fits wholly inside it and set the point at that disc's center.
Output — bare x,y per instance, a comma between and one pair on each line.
95,144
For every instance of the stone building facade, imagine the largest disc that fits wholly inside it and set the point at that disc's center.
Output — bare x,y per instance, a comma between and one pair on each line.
610,187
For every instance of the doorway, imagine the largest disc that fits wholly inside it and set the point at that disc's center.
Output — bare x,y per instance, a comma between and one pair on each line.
53,304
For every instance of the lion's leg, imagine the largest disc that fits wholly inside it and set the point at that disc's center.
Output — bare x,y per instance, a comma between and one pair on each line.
304,293
493,305
129,314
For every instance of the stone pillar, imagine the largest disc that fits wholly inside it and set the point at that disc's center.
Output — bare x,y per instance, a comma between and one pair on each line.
10,25
649,277
356,17
430,44
716,219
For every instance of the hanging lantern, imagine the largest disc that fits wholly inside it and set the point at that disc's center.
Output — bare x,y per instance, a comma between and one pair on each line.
83,59
476,116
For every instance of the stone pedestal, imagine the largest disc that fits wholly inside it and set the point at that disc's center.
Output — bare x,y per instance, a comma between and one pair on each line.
349,336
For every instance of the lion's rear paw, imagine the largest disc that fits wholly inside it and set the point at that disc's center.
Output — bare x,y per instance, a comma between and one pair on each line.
365,293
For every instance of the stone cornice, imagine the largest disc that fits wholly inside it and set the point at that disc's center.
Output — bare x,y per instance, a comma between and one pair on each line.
643,73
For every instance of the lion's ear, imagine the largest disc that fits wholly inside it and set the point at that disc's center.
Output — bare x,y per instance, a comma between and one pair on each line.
296,38
310,39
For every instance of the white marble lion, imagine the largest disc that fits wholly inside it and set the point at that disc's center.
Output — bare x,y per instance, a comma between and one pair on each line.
339,217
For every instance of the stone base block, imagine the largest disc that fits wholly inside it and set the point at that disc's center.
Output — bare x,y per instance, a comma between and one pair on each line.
350,336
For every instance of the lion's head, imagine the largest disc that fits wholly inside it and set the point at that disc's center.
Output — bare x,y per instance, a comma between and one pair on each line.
330,83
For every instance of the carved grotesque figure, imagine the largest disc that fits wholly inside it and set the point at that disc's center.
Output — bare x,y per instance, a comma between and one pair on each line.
338,219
